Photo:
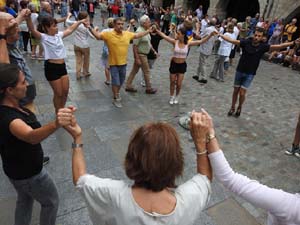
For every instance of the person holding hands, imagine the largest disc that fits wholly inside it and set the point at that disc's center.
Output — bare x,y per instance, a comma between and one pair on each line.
178,61
282,207
153,161
55,54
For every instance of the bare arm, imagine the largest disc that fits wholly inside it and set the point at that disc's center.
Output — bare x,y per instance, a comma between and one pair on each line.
31,28
78,161
232,41
72,28
34,136
8,25
203,40
167,38
199,130
141,34
282,46
95,32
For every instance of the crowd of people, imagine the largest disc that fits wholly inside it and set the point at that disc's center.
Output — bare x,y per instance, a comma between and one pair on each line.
154,158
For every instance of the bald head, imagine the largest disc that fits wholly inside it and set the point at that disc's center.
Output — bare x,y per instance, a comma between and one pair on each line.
213,21
45,6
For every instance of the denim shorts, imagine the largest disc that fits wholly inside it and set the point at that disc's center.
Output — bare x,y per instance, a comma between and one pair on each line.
118,74
243,80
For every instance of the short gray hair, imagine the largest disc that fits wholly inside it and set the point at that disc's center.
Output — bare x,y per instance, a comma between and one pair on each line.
143,19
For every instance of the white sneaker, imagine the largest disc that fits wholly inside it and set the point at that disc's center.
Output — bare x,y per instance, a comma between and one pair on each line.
143,83
172,98
117,103
119,97
176,99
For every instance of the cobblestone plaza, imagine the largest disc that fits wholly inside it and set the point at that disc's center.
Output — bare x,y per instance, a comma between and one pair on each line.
254,144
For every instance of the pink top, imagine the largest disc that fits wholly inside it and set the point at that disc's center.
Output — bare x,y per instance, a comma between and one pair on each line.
283,207
180,53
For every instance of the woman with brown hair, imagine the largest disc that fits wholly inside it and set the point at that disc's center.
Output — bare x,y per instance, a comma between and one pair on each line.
154,160
21,151
55,54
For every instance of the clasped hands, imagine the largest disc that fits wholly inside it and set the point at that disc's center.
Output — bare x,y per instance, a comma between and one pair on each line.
65,118
201,126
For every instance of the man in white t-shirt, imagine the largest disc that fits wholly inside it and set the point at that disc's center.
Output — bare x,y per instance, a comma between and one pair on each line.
199,12
205,52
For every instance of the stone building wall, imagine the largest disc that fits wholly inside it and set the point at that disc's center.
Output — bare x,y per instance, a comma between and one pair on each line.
275,8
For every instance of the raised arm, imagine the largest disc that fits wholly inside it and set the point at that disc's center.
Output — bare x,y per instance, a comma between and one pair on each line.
283,45
141,34
279,203
78,161
167,38
73,27
95,32
31,28
199,131
8,25
68,21
232,41
203,40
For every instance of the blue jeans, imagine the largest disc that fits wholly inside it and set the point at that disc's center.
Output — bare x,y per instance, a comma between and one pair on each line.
118,75
40,188
243,80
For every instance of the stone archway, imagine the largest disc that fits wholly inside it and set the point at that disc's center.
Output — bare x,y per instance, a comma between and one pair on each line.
268,8
235,8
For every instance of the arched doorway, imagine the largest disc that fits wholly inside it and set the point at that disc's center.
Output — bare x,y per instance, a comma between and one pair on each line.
294,14
167,3
240,9
194,4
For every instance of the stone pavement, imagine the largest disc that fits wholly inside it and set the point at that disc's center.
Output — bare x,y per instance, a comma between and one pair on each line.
254,144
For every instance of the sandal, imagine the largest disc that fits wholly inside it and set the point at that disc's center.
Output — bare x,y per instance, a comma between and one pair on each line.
231,111
87,75
238,112
130,89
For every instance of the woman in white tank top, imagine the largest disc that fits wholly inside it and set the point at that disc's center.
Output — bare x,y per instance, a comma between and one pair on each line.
178,64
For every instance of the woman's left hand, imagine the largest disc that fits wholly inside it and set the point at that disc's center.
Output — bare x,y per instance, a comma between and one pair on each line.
199,126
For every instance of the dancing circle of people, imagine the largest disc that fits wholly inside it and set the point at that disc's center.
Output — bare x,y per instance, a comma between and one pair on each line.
154,159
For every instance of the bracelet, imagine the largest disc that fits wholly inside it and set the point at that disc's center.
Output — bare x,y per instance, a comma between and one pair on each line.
209,137
75,145
201,152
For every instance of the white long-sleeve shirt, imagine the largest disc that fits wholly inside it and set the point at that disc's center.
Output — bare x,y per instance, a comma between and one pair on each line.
283,208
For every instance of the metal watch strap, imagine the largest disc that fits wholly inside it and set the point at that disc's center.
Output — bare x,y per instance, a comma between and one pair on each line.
75,145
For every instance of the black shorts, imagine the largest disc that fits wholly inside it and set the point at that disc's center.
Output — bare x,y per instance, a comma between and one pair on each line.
54,71
176,68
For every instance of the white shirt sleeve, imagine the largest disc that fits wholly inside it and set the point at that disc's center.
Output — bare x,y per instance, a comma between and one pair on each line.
195,191
60,34
99,194
284,206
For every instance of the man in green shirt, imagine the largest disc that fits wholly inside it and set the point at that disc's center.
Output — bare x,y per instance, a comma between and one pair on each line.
141,48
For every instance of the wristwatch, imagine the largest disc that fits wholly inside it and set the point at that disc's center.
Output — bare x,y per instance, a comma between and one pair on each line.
2,36
75,145
209,137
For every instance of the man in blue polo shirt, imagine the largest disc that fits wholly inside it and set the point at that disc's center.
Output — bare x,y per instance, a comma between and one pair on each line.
253,49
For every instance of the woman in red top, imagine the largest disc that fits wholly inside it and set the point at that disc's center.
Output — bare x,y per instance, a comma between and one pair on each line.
115,10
